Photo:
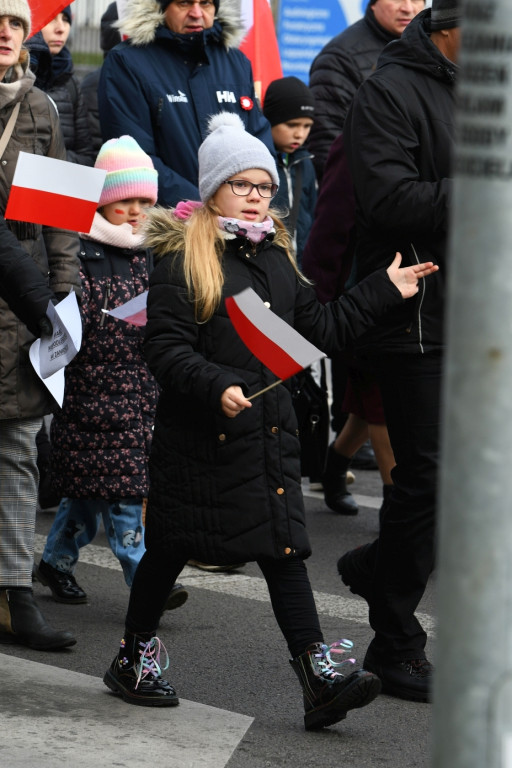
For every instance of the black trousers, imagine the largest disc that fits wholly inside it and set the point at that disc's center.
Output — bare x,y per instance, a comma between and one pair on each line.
288,585
402,557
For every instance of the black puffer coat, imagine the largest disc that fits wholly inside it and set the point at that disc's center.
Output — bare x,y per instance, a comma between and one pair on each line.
336,74
228,490
399,140
22,284
100,439
54,76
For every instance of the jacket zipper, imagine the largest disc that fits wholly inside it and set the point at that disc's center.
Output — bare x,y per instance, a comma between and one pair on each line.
105,303
420,304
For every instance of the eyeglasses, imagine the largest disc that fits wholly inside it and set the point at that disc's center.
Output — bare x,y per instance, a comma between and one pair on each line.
242,188
187,5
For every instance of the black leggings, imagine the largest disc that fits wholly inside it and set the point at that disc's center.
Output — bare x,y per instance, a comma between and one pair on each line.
288,585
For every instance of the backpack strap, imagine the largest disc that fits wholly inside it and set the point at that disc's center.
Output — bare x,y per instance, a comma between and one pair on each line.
9,128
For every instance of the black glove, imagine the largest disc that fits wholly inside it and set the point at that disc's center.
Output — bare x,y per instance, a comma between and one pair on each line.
45,327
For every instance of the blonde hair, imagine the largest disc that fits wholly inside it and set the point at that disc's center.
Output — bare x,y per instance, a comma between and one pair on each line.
202,262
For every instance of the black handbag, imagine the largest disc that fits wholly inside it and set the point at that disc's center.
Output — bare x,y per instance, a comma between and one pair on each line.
310,400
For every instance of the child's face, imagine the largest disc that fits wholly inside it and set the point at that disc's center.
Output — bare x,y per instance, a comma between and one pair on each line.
131,211
291,135
247,207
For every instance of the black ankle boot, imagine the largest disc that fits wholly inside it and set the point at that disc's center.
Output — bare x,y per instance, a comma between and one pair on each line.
135,673
336,494
329,695
21,622
386,494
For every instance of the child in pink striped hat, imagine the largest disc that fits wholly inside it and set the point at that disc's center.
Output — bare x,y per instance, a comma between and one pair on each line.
100,439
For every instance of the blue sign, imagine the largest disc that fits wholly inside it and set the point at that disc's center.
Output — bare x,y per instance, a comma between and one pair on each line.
305,26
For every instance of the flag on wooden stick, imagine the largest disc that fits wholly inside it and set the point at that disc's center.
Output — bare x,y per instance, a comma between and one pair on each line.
133,311
54,192
275,343
260,44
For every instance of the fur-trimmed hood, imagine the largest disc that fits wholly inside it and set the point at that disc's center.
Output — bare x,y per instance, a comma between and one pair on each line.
163,232
142,18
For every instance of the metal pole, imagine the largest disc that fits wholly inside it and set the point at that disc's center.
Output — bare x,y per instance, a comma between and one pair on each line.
472,726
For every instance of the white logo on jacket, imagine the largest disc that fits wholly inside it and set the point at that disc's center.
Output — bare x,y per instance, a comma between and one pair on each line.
180,97
227,96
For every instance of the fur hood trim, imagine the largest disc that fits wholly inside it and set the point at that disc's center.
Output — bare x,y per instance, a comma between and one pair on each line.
163,232
142,18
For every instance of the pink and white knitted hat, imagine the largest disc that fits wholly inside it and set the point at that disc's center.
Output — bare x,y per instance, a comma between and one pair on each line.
130,172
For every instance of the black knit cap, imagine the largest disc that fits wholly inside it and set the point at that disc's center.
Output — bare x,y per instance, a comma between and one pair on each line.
67,13
286,99
110,36
445,14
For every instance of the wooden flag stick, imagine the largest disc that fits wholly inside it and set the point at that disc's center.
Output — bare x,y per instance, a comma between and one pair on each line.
270,386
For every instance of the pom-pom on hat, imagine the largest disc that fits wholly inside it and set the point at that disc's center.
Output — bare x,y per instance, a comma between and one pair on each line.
20,9
229,149
288,98
130,172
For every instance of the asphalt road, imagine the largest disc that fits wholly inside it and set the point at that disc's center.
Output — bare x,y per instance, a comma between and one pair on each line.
241,704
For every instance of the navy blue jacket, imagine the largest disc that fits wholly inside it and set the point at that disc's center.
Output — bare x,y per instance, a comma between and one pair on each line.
161,88
287,166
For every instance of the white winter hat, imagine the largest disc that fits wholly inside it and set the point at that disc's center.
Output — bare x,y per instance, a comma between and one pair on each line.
20,9
229,149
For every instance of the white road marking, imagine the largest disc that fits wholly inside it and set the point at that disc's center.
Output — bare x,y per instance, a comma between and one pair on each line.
249,587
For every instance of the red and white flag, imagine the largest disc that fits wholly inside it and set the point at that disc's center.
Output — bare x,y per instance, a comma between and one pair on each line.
43,11
275,343
54,192
260,44
134,311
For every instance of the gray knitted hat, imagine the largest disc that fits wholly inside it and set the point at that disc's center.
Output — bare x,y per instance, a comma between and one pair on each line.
229,149
445,14
20,9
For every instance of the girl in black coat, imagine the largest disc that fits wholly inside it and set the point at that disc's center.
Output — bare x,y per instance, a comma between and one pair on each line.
225,470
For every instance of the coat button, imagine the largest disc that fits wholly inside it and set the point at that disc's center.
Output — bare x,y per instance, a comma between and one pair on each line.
267,304
4,162
222,438
275,430
280,491
297,432
287,551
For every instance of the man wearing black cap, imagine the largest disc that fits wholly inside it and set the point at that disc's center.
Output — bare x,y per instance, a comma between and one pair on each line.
179,65
399,137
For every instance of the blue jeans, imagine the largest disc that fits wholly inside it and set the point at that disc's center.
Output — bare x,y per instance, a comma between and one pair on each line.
76,524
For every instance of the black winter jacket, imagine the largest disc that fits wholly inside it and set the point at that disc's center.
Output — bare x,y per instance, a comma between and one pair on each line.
55,76
336,74
284,200
22,284
399,139
228,490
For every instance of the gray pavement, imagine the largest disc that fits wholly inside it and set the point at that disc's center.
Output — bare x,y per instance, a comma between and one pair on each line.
240,704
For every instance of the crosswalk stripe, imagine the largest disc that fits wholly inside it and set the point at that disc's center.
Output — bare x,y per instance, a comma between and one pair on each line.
241,585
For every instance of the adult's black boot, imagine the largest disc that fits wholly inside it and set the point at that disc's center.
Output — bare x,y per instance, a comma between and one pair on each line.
336,495
329,695
136,673
22,623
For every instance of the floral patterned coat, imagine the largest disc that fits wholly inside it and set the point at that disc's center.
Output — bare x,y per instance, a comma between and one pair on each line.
100,439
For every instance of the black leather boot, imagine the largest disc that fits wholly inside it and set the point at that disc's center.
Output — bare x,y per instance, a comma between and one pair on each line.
329,695
22,623
135,673
336,495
